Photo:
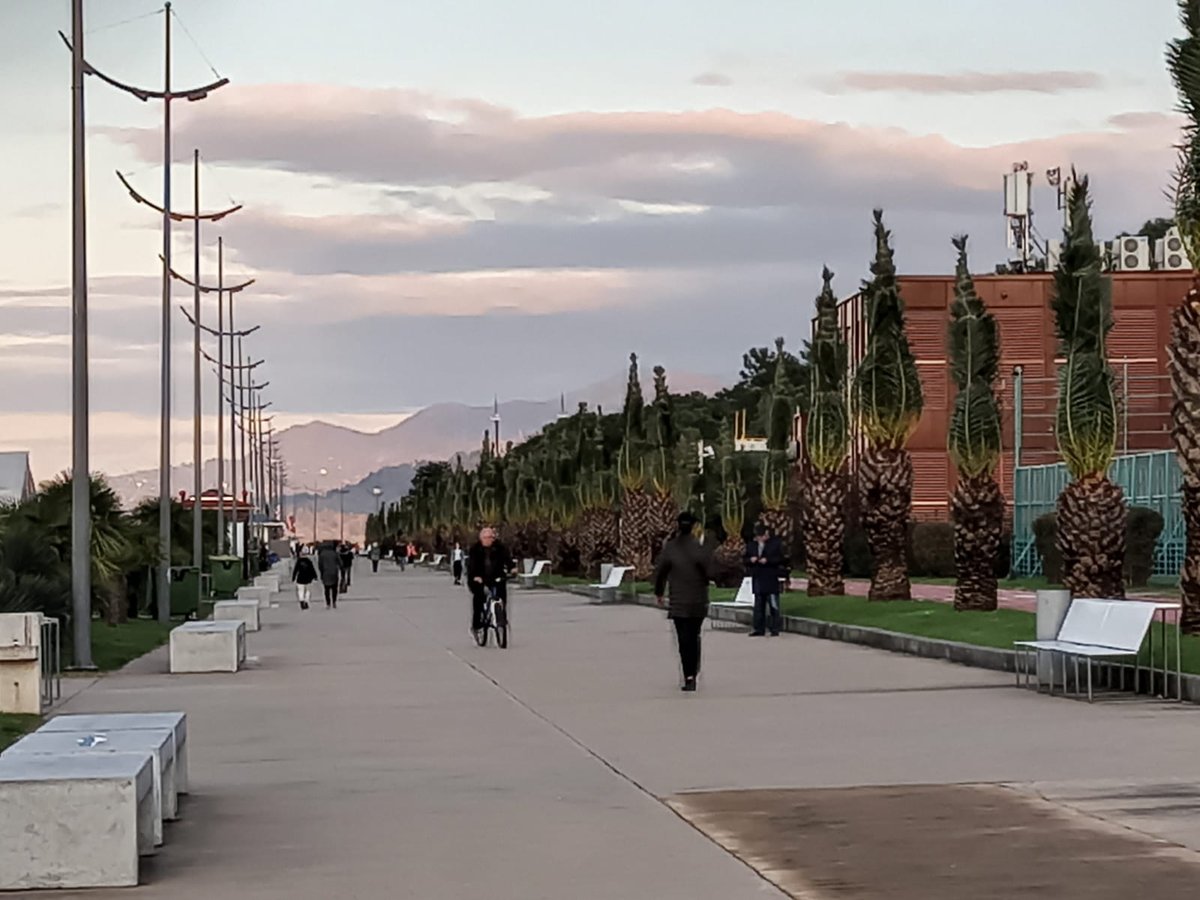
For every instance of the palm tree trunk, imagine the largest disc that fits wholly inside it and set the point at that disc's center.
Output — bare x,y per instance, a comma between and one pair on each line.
1091,537
1189,578
885,483
825,532
1185,380
977,509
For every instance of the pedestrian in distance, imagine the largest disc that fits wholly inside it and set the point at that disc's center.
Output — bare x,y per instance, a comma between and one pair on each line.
329,565
375,555
304,573
764,561
686,567
456,562
400,554
345,564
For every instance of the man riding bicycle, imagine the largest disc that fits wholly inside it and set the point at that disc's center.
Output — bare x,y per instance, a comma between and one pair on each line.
488,566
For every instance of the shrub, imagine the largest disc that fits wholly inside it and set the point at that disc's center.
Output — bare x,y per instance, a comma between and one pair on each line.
857,561
1004,557
1143,527
1142,530
931,550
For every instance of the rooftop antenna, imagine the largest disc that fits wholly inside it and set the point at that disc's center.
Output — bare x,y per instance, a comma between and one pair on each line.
1018,190
496,422
562,406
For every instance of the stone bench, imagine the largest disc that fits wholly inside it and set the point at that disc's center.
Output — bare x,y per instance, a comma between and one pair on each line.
160,744
237,611
106,723
606,590
260,594
208,647
75,821
269,581
529,579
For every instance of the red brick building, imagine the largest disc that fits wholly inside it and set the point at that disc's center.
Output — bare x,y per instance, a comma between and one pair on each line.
1142,307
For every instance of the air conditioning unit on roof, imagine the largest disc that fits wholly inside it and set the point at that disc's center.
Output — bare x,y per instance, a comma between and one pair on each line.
1131,253
1169,253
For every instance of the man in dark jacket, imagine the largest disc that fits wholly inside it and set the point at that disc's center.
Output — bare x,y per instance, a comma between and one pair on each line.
304,573
329,565
346,564
764,562
687,567
488,565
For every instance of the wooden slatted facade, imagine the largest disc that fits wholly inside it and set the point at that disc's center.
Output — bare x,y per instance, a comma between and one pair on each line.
1142,306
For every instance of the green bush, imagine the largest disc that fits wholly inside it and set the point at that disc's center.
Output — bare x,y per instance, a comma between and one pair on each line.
931,550
1142,529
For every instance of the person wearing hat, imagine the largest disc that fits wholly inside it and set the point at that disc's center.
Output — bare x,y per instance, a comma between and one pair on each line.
687,567
764,564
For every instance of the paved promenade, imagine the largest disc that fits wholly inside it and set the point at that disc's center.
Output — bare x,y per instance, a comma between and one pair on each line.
375,752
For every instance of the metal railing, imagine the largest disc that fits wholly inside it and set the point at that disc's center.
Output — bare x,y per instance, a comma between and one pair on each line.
50,659
1150,480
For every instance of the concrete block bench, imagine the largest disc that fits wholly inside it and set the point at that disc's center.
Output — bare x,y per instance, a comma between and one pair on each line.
106,723
237,611
160,744
260,594
75,821
269,581
208,647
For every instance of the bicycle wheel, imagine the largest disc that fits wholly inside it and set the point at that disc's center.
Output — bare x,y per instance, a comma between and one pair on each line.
501,626
481,636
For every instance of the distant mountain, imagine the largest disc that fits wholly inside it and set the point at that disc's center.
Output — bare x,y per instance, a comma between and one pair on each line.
361,460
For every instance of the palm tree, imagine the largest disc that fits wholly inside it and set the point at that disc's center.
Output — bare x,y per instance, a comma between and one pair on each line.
977,506
776,473
1091,509
887,404
730,553
1183,59
826,445
631,469
663,508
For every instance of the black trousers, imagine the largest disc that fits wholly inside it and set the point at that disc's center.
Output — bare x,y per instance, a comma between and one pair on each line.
688,633
766,613
345,579
457,571
374,565
479,595
331,592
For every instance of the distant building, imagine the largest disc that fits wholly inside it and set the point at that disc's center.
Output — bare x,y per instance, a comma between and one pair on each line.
16,478
1142,306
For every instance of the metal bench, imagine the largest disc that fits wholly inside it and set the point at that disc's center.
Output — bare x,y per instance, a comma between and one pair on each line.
1093,629
530,578
79,820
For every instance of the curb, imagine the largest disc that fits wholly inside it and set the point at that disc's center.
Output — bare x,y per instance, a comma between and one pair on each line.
992,658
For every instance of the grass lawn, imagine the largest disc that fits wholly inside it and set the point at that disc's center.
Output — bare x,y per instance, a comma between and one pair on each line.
12,726
115,645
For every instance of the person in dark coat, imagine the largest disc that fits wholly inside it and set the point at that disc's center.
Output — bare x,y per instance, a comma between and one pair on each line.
687,567
304,573
764,562
345,563
330,568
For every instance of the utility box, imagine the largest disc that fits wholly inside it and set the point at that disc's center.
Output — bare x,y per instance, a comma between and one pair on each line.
21,663
226,572
185,591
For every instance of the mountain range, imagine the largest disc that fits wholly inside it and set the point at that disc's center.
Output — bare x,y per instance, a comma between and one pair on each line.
358,461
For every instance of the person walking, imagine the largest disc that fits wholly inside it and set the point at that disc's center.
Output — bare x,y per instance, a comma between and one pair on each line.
456,562
345,564
764,562
687,567
329,565
375,555
400,554
304,573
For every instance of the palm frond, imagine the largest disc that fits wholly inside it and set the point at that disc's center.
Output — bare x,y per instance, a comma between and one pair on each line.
827,430
973,347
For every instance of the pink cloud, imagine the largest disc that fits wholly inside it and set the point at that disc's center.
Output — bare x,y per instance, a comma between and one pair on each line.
1054,82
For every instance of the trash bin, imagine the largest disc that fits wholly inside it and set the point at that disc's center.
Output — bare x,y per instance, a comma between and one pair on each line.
1052,608
226,572
185,591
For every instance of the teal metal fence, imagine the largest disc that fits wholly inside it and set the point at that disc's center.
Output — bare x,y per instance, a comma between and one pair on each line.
1151,480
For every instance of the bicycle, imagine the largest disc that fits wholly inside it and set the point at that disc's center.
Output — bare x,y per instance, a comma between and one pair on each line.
495,618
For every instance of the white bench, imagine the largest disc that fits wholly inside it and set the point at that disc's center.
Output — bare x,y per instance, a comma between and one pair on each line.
744,599
237,611
1093,629
530,578
75,821
260,594
159,743
422,559
606,591
270,582
437,560
137,721
208,647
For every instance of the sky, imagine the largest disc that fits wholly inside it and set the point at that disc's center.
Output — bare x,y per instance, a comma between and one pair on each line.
455,200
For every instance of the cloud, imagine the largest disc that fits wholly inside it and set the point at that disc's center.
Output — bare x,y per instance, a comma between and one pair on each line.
713,79
1131,121
1052,82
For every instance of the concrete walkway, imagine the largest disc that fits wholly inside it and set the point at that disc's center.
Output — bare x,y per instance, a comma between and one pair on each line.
375,752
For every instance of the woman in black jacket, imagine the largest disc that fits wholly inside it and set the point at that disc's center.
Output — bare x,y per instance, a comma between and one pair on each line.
687,566
304,573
